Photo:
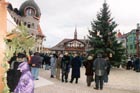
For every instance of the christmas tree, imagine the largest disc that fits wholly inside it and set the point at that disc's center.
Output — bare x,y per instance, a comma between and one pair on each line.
102,37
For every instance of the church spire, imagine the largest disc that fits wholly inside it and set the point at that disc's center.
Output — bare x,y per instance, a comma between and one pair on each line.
75,33
104,1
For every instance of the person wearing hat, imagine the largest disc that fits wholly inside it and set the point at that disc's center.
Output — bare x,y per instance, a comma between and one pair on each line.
99,66
75,65
89,71
23,82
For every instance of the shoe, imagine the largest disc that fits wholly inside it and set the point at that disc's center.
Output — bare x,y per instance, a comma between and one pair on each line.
101,88
62,80
66,81
96,88
37,79
52,76
70,81
88,85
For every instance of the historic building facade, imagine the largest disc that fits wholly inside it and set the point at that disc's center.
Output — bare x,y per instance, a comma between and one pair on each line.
131,42
29,14
74,45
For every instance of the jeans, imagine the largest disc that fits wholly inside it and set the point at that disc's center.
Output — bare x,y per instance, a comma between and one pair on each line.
53,71
35,72
47,67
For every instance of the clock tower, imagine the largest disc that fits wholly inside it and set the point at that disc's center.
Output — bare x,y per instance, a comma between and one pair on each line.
29,15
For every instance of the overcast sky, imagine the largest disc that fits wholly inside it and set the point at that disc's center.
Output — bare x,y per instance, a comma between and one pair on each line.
59,17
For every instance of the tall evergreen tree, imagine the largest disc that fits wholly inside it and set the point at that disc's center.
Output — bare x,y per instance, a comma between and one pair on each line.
102,37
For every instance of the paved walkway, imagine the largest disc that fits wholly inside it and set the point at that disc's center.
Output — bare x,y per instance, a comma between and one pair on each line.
120,81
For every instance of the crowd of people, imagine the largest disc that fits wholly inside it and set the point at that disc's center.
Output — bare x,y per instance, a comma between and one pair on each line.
133,63
25,69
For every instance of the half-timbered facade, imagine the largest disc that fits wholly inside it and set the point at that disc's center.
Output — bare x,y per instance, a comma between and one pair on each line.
72,45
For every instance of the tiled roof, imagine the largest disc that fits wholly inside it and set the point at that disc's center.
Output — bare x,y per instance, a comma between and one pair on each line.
119,35
30,3
60,45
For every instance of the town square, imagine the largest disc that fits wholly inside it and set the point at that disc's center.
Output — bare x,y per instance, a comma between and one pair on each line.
69,46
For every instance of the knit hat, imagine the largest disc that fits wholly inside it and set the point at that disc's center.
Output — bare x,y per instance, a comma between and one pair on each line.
90,58
21,55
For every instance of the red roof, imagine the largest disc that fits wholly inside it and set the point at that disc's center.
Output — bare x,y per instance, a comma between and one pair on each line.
40,31
119,35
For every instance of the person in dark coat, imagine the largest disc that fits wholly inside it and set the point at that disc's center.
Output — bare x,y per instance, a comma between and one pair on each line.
13,75
13,58
137,64
107,70
99,66
75,64
89,71
35,63
47,62
129,63
19,78
65,67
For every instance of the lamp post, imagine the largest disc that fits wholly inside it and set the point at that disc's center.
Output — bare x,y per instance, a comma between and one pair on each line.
137,39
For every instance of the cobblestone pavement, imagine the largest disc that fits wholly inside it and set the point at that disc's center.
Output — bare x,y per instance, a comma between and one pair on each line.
120,81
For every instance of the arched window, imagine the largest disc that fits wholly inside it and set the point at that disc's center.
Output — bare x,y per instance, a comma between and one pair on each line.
28,25
30,11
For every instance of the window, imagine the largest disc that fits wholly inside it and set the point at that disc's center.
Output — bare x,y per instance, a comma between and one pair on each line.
131,46
19,23
28,25
29,11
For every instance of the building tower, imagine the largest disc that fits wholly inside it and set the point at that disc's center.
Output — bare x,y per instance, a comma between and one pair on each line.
29,14
3,29
75,33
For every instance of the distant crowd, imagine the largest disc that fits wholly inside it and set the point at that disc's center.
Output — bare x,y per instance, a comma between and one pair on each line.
25,69
133,63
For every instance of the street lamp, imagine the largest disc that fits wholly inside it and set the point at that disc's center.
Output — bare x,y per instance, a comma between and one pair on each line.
137,39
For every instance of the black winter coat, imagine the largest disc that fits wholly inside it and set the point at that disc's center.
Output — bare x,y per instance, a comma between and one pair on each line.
13,76
88,65
76,64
